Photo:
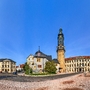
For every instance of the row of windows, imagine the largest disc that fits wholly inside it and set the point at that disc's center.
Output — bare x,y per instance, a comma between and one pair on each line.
81,64
7,70
7,66
38,59
39,66
31,58
82,60
78,69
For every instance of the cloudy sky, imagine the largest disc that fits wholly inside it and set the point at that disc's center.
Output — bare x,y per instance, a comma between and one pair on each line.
27,24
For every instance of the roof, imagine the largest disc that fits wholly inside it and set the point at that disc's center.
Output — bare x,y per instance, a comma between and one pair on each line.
77,57
21,65
1,60
42,55
55,60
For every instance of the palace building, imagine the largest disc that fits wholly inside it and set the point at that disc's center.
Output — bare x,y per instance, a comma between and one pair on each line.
77,64
63,65
72,64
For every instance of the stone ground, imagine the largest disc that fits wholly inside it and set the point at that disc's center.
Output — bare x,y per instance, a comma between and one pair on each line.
76,82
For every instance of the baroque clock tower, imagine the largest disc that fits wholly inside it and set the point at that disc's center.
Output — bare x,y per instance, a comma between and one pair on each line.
61,51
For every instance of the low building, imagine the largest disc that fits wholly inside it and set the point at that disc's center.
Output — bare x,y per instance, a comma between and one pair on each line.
20,67
7,65
57,65
77,64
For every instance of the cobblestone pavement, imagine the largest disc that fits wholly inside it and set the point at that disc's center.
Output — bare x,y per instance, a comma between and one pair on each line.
34,78
58,82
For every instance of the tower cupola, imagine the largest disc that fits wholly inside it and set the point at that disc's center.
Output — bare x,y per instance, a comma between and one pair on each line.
60,40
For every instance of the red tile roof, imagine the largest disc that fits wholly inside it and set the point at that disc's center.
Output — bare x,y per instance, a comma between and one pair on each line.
77,57
21,65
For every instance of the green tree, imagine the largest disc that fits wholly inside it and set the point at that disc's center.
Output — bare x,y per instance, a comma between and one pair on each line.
27,69
50,67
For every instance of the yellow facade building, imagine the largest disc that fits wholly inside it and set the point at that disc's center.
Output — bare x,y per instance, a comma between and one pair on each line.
7,65
78,64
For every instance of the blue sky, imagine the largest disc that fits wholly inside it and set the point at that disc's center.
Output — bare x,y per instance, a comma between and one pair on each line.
27,24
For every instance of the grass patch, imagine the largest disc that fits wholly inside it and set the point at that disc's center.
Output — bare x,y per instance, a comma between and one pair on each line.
39,74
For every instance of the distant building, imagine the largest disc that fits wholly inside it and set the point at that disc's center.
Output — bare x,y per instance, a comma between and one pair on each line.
20,67
37,61
7,65
57,65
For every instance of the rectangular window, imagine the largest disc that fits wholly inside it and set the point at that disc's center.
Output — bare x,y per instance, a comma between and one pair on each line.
38,60
2,66
88,64
85,64
77,64
2,69
39,66
82,64
34,67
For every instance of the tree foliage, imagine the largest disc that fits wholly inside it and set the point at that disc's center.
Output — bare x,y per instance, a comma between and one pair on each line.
50,67
27,69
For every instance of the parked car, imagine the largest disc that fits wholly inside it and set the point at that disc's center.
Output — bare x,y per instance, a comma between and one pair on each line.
15,73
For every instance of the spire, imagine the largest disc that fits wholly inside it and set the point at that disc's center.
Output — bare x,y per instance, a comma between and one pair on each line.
60,31
38,48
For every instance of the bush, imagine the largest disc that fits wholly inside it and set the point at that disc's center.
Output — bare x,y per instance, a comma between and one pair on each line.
27,69
50,67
